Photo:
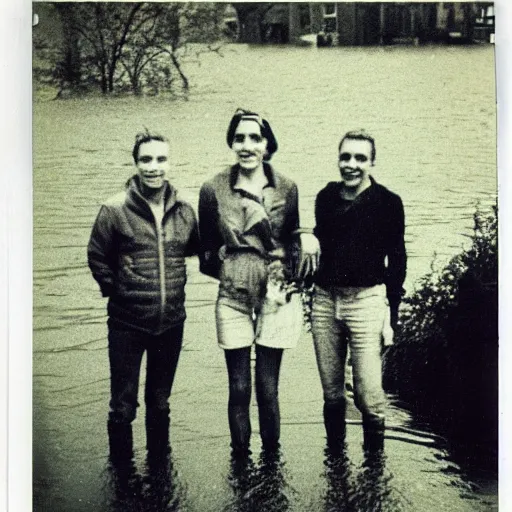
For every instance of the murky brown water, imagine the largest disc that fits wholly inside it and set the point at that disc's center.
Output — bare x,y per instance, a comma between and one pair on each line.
432,112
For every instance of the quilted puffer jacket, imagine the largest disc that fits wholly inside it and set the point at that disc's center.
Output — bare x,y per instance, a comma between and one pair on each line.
140,266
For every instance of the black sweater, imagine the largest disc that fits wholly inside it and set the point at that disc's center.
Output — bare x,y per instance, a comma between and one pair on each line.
356,237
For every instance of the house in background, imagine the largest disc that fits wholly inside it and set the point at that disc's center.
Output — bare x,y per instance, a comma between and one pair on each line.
361,23
366,23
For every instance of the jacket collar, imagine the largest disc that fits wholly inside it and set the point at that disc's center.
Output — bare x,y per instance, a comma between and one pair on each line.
139,203
267,169
370,194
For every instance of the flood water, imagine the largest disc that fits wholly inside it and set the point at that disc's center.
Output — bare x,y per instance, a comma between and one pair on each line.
432,112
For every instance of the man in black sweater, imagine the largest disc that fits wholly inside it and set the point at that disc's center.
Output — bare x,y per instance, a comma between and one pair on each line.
360,226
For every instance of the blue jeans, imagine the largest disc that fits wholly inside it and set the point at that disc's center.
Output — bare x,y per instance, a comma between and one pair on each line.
355,318
125,349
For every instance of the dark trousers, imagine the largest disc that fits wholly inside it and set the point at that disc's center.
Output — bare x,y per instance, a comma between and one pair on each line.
125,349
268,363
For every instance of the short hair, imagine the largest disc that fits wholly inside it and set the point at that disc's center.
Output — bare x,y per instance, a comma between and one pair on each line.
142,138
266,130
360,135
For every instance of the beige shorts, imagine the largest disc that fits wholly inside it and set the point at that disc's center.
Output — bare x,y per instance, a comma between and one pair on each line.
238,327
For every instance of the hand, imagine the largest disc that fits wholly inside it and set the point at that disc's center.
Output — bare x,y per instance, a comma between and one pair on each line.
394,303
393,318
309,255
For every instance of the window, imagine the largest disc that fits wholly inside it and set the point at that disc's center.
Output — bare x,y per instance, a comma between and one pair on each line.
329,10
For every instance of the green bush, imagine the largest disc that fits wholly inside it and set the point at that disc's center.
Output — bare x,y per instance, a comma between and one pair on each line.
445,357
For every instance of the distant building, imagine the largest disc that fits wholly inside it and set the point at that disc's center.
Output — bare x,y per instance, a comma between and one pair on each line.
367,23
362,23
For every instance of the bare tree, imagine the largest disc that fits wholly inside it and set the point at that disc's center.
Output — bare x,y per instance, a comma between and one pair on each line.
69,67
116,43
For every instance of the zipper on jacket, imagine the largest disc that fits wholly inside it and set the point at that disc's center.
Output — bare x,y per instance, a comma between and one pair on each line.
159,229
161,265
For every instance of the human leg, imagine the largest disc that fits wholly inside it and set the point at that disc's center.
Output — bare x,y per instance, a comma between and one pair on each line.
235,334
330,344
125,349
238,362
163,353
268,364
365,318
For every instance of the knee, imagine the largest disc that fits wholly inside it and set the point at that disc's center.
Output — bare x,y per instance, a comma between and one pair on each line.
371,405
157,409
266,393
157,401
334,391
122,414
334,401
267,388
239,392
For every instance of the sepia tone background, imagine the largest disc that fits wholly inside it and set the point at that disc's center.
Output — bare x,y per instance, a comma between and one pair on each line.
431,108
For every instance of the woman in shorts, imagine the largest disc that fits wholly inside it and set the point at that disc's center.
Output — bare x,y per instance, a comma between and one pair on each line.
249,223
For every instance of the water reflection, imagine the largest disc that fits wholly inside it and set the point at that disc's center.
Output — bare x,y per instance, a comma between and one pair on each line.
367,489
339,476
447,117
123,487
259,487
158,489
162,488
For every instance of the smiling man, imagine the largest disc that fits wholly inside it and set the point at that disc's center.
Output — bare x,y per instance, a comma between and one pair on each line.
360,227
137,255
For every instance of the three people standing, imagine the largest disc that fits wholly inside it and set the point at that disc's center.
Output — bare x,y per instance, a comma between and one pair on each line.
249,230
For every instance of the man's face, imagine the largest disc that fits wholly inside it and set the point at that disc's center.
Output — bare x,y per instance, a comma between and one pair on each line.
153,163
355,162
249,145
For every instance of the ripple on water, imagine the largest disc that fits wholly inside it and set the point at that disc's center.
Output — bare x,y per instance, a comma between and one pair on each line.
432,112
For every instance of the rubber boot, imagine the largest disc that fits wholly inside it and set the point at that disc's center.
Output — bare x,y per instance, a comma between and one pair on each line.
162,487
373,435
126,481
335,428
157,434
120,440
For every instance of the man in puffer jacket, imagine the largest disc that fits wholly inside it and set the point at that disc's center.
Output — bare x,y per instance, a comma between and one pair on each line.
137,255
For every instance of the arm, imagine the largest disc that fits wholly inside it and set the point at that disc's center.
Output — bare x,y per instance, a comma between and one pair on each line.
397,260
322,216
291,226
101,253
193,244
211,239
309,247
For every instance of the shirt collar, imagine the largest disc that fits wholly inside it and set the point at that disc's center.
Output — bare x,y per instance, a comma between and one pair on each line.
170,194
366,194
267,169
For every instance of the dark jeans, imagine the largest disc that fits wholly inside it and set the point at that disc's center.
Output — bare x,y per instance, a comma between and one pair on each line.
125,349
268,363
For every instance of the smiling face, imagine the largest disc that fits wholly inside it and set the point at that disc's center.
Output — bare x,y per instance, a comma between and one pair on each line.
249,145
355,162
153,163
